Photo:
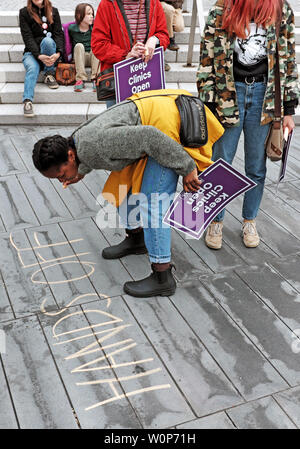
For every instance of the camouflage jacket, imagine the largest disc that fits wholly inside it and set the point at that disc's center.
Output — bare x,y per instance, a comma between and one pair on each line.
215,78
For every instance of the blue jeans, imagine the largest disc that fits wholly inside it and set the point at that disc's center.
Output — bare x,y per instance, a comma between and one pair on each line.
250,101
32,67
157,193
110,103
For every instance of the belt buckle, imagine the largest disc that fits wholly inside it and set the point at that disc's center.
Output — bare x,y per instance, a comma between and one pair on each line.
252,82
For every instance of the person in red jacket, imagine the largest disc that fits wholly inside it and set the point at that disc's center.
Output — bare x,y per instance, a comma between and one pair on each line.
128,28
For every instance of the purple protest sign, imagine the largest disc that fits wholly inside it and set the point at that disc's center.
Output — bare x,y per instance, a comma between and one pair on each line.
285,153
134,75
191,213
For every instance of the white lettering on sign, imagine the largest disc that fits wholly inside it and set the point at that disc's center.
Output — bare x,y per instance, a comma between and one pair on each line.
136,67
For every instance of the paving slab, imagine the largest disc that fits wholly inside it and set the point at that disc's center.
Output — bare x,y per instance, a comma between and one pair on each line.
10,161
196,373
7,415
160,402
262,414
15,209
49,208
62,331
289,401
38,394
6,312
272,234
276,292
110,275
215,421
17,266
249,371
264,328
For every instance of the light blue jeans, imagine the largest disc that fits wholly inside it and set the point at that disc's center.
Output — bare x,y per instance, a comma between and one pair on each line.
250,101
110,103
32,67
148,209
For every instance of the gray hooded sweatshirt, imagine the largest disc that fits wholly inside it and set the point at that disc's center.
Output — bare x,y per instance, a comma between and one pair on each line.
116,138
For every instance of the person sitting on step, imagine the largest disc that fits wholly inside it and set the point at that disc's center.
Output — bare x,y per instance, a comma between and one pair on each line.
80,34
43,37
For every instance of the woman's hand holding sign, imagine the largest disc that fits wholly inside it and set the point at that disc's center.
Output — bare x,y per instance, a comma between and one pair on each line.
191,183
149,48
137,51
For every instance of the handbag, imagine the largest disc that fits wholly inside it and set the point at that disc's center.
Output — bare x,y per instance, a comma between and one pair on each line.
65,74
193,126
105,85
274,141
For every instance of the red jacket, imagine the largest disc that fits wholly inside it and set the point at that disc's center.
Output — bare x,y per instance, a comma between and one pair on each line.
111,37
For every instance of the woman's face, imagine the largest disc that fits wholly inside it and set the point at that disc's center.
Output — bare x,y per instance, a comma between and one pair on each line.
66,171
89,16
38,3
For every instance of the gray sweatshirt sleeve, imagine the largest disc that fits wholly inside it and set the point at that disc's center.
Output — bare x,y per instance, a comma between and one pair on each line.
83,169
141,139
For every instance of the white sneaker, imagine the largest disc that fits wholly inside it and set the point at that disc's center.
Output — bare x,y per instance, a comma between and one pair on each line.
213,238
250,235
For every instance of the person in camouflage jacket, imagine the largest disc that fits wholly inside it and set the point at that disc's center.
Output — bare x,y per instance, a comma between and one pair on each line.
236,80
215,79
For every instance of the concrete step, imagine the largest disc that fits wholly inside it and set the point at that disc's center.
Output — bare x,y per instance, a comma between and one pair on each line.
50,114
12,35
71,114
15,72
13,93
14,53
11,18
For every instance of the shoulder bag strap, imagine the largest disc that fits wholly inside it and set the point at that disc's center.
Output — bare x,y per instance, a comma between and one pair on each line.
277,111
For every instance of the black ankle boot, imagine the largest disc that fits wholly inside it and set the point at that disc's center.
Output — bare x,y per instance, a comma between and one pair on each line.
159,283
133,244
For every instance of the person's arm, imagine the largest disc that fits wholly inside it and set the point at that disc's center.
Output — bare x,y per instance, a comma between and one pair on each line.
27,35
143,139
101,41
205,73
161,31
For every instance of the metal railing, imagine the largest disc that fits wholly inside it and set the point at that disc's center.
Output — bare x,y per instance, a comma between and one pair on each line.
197,11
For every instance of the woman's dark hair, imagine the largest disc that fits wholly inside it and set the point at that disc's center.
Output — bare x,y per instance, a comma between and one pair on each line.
51,152
80,12
48,11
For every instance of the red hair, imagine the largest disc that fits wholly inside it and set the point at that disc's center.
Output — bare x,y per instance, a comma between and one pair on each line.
48,11
239,13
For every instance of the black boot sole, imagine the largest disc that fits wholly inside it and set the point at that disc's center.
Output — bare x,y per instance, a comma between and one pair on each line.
167,292
119,256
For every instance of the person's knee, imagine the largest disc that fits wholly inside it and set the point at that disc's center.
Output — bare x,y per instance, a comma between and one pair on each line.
48,41
79,47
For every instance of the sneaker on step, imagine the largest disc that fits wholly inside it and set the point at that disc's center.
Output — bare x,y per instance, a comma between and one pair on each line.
167,67
28,109
79,86
250,235
51,81
213,238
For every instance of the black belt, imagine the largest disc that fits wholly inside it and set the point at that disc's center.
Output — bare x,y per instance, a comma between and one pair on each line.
251,79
